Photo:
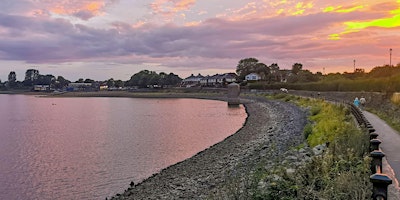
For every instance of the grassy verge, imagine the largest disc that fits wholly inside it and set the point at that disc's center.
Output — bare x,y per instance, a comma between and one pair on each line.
390,116
341,172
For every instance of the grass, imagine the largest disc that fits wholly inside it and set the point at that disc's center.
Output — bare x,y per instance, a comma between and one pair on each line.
388,111
342,172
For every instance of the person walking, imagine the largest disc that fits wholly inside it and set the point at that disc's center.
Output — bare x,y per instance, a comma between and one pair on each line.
362,102
356,102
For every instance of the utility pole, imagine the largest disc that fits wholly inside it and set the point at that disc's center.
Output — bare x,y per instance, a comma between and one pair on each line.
390,61
354,66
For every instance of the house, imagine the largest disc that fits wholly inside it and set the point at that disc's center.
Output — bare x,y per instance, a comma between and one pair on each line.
205,81
192,80
83,87
41,88
230,77
252,77
218,79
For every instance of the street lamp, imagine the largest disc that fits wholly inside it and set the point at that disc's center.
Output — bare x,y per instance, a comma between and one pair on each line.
390,62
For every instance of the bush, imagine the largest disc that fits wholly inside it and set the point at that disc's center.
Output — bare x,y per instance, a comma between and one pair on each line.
342,172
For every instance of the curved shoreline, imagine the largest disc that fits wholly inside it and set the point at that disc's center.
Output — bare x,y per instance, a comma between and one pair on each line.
270,129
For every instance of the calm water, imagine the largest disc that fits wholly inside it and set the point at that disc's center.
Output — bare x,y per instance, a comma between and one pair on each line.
92,148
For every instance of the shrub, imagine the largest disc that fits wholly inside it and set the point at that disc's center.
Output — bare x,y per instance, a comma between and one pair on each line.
342,172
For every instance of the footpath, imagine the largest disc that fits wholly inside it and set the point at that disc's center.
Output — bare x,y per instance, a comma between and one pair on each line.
391,147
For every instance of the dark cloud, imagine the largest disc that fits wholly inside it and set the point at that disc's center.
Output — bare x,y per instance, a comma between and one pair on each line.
44,40
84,14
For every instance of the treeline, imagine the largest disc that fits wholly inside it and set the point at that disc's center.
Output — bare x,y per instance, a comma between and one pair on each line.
380,79
33,77
142,79
146,78
271,74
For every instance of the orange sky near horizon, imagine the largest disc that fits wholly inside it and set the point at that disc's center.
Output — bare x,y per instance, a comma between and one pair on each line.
102,39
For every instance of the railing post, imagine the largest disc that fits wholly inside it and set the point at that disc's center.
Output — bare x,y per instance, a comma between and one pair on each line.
373,135
380,184
376,163
380,181
370,130
374,144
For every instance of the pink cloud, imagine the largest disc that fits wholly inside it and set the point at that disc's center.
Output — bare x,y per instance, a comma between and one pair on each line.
168,8
211,43
83,9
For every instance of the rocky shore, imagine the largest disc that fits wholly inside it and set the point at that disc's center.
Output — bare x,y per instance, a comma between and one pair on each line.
271,129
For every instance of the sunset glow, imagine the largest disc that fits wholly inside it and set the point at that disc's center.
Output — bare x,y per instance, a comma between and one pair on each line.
116,38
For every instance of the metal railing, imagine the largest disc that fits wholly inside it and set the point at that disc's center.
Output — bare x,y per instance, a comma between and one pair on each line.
379,180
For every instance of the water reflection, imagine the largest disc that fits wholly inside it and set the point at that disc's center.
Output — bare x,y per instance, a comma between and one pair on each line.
91,148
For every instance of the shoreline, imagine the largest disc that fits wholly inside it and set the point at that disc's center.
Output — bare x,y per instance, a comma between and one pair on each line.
205,175
270,129
181,181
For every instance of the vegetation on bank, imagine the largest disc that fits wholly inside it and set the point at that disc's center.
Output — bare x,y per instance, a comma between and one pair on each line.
389,114
142,79
393,118
387,84
341,172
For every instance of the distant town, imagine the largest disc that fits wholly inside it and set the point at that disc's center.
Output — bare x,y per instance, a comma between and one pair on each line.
249,73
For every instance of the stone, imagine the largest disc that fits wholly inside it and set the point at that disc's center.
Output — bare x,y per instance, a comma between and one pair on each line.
319,149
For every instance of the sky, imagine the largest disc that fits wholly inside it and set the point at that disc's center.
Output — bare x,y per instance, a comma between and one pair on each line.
103,39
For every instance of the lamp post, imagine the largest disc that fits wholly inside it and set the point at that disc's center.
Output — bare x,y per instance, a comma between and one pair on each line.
354,66
390,62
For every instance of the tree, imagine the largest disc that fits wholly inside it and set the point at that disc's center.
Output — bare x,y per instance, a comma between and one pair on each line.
142,79
305,76
246,66
296,68
45,80
173,79
88,80
263,70
384,71
118,83
61,82
275,73
31,75
146,78
110,83
12,79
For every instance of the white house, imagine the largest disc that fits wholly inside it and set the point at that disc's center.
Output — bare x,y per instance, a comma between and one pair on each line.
252,77
41,87
192,80
218,79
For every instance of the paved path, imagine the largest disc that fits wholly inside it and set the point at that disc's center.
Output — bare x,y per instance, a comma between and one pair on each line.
390,146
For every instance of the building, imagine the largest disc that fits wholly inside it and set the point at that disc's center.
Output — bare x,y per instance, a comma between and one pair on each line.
83,87
252,77
192,80
218,79
41,88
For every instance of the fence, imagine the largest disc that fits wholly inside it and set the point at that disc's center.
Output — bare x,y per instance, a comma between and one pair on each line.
379,180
